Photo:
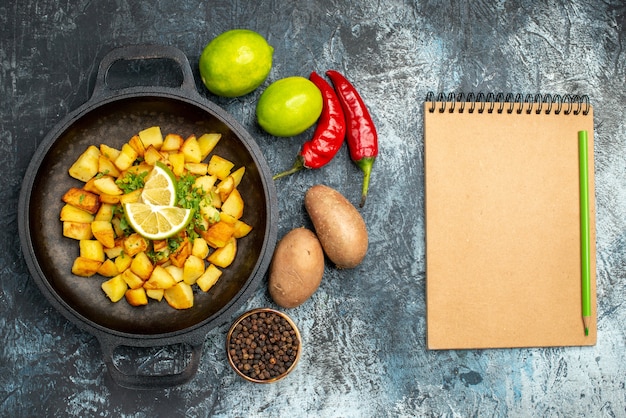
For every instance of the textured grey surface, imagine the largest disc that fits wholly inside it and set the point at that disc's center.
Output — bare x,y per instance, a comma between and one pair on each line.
364,330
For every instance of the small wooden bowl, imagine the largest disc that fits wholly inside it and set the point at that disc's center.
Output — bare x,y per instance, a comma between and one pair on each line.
254,370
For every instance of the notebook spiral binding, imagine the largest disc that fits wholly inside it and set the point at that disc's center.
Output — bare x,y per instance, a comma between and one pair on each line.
509,103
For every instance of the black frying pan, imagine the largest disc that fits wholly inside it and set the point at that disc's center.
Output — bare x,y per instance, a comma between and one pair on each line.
112,116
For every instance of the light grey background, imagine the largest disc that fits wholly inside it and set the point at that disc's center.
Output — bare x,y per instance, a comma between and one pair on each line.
364,330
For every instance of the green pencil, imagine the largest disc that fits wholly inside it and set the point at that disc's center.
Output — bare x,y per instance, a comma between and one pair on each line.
584,229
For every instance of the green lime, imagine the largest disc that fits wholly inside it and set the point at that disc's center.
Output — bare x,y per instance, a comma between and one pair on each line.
289,106
160,186
235,62
156,222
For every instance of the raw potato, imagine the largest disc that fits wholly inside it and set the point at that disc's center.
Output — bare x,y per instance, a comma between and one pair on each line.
297,268
338,225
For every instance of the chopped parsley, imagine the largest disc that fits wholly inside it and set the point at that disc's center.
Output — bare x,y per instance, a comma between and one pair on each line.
132,181
101,174
118,212
173,244
189,196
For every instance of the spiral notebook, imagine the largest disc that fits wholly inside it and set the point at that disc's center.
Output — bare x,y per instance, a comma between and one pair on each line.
503,263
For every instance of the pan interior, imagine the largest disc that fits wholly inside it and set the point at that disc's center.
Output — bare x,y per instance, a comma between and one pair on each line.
114,124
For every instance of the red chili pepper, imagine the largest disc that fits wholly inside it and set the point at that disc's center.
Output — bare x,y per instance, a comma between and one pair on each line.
329,133
362,136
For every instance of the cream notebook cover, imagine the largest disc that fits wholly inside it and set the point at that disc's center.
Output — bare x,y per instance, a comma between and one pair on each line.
503,263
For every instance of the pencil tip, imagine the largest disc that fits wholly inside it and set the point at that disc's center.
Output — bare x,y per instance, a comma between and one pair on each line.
586,324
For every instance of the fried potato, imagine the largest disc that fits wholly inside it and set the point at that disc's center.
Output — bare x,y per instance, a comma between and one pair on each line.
82,199
138,269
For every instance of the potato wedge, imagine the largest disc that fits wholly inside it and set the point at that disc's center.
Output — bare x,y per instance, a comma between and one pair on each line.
237,175
197,169
151,136
108,268
77,230
177,161
137,145
191,150
126,158
156,294
207,142
225,187
142,265
200,248
218,234
183,251
105,213
114,252
91,249
82,199
109,152
74,214
110,199
86,166
103,232
134,244
176,272
106,185
223,257
123,261
106,167
136,297
225,217
138,170
219,167
114,288
205,182
209,278
152,155
233,205
160,279
179,296
132,197
132,280
241,229
90,186
192,269
172,142
85,267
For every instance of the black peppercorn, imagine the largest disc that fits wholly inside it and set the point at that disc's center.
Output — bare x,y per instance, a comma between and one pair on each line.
263,345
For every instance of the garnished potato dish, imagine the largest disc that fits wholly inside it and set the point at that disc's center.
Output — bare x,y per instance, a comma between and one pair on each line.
156,217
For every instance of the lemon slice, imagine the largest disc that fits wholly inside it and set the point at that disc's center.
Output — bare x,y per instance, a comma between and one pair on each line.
160,186
156,222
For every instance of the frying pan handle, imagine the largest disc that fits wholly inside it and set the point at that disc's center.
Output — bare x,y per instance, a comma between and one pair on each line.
146,381
143,52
